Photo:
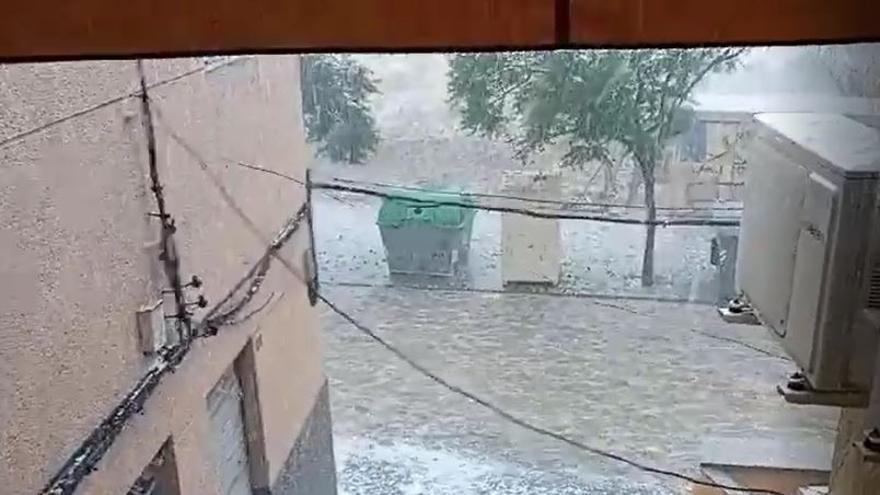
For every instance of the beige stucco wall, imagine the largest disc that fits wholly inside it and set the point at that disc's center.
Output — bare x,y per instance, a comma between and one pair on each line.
76,259
851,473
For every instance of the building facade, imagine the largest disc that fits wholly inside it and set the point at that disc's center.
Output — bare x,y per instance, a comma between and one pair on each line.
87,278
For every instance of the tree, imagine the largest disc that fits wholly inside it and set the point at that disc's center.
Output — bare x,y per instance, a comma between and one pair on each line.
603,105
854,68
335,90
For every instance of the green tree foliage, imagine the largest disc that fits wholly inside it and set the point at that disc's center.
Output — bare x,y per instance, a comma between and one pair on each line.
598,103
335,90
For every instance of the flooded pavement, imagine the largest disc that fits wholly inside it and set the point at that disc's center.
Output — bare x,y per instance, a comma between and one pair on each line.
600,360
402,469
644,379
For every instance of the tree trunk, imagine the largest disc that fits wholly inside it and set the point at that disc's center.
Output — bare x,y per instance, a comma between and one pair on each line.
632,191
650,229
607,190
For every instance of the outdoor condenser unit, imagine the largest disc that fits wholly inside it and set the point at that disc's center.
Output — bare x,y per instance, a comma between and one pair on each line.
809,249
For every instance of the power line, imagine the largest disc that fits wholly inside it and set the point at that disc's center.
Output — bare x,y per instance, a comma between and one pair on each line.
741,343
84,459
106,103
591,297
269,300
596,299
254,278
454,388
539,200
271,172
169,250
547,214
480,195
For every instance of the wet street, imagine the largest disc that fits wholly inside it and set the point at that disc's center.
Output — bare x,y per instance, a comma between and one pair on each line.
644,379
645,373
638,372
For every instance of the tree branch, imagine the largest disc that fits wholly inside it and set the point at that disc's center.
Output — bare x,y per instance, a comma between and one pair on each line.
725,56
499,99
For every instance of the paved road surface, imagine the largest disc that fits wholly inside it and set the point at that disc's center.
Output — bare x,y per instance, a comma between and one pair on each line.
629,376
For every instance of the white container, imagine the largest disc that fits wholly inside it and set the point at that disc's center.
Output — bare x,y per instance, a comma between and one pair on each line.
531,247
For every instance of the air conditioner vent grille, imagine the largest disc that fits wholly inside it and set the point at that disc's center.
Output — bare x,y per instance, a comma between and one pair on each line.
874,287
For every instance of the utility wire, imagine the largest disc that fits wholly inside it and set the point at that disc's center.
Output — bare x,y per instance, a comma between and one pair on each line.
449,386
594,298
741,343
486,195
272,172
548,214
91,451
527,212
269,300
169,251
591,297
106,103
255,276
559,202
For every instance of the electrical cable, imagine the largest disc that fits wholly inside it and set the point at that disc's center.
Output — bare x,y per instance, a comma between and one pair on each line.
454,388
691,222
169,250
591,297
259,309
105,103
214,319
86,457
271,172
536,200
547,214
741,344
487,195
594,298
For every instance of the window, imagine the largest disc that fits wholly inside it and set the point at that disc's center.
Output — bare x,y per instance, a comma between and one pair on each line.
160,475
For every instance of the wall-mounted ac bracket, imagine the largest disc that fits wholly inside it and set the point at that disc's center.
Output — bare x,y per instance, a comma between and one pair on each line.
799,391
739,311
869,446
739,318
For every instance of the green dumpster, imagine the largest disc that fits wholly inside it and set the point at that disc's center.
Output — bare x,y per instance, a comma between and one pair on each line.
423,236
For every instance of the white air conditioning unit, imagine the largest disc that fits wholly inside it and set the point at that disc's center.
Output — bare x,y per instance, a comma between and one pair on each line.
809,249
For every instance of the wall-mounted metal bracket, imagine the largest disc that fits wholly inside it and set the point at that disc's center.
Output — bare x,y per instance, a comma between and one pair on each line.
740,312
869,445
797,390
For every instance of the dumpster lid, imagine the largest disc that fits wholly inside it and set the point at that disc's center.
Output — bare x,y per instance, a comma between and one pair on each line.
414,206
